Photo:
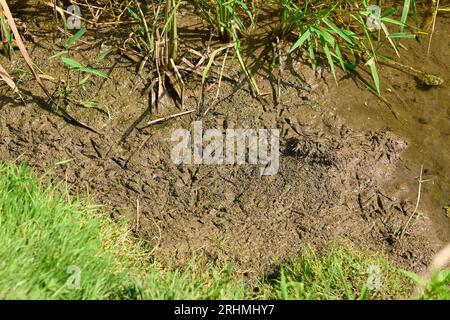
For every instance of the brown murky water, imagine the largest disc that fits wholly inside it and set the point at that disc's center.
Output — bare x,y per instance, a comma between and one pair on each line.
424,118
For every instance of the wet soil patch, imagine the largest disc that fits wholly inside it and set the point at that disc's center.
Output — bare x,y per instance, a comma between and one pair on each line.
336,180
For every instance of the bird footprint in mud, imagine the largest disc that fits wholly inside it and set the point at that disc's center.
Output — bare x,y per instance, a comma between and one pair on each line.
387,146
386,211
312,148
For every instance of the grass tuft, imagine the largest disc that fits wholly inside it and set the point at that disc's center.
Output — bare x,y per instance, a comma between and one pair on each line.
47,240
340,272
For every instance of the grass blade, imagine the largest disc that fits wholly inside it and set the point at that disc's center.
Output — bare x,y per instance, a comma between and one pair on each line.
386,31
104,54
59,54
401,35
327,52
301,40
405,11
93,71
72,63
312,56
374,72
76,36
211,60
343,34
5,31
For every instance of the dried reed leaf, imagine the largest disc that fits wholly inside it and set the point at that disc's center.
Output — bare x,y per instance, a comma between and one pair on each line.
7,78
22,48
26,56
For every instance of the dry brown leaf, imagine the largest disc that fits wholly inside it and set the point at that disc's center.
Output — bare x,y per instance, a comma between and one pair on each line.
7,78
26,56
22,48
10,82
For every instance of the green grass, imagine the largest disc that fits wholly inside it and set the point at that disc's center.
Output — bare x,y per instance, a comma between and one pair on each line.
42,235
341,272
336,30
221,14
46,237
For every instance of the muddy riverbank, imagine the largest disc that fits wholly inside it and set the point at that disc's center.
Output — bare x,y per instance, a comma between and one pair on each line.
348,167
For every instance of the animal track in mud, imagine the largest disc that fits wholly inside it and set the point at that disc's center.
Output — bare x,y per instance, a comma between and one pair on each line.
330,183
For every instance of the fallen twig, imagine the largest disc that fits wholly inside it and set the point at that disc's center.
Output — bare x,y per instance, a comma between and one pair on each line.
413,214
4,75
29,62
160,120
435,6
138,212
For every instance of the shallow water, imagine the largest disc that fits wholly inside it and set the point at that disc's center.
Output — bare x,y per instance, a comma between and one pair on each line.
424,115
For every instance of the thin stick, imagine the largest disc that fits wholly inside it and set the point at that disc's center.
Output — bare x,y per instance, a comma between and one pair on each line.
138,211
221,74
180,79
4,75
417,204
210,76
61,11
156,246
219,84
160,120
434,22
147,33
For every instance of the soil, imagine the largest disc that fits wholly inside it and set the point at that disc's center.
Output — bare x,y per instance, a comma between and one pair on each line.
348,167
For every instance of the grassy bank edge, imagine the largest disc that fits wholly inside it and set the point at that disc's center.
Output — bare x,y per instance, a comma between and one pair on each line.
55,247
